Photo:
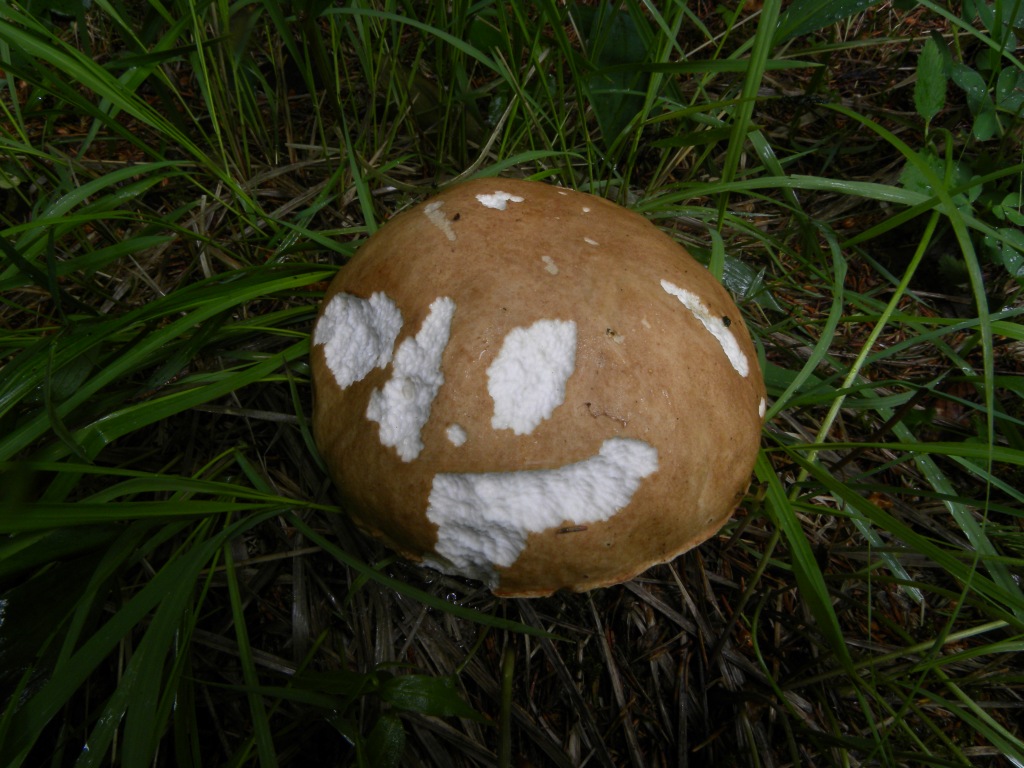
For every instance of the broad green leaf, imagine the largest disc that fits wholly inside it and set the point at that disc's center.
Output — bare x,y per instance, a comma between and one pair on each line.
338,682
986,123
956,175
930,88
10,177
805,16
617,49
427,695
1007,249
484,35
747,283
386,743
1010,209
974,87
980,8
1010,90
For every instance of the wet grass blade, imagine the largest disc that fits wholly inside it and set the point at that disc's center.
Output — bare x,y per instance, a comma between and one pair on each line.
260,719
172,580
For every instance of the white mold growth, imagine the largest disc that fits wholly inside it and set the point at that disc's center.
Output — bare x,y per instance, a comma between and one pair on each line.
433,212
549,265
402,406
717,326
358,335
483,519
456,435
499,200
527,378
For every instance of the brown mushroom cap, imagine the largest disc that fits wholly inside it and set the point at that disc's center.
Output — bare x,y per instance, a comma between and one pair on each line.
534,387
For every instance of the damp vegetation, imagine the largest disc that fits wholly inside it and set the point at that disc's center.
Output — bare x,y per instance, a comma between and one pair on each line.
179,181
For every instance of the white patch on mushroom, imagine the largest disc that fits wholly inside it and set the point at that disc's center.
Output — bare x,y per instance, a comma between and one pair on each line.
358,335
590,241
456,435
527,378
499,200
714,324
761,408
549,265
433,212
402,406
483,519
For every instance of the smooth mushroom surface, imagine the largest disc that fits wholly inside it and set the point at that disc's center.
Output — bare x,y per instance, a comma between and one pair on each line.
534,387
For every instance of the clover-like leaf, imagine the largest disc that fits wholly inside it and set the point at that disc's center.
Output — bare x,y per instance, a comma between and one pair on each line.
1010,90
974,87
1007,249
958,175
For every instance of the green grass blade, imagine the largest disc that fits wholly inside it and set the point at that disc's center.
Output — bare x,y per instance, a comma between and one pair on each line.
813,589
174,578
260,718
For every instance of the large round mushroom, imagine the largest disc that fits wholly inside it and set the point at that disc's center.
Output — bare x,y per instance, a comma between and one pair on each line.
534,387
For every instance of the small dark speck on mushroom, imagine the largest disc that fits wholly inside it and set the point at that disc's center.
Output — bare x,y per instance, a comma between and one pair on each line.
726,321
573,529
456,217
